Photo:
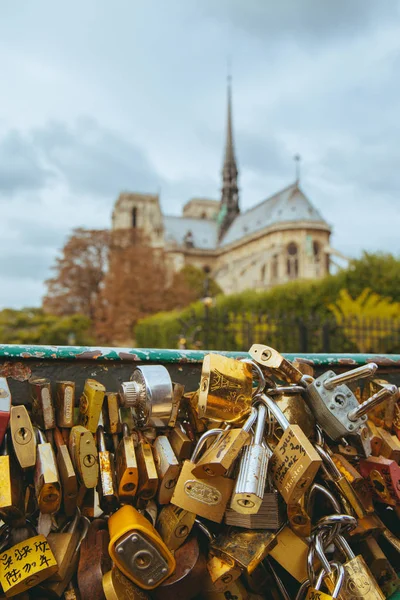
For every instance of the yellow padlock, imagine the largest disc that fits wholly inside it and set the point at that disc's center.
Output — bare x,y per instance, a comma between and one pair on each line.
137,549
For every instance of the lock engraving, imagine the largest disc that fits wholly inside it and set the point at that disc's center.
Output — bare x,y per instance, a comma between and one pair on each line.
202,492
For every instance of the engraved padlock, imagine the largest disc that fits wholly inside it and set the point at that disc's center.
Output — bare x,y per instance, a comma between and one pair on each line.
23,437
118,587
315,593
206,497
174,525
294,462
137,549
221,455
384,475
65,403
5,407
275,364
149,396
246,548
250,483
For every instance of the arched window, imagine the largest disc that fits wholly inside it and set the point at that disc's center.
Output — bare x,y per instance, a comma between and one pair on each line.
292,261
274,267
317,257
134,216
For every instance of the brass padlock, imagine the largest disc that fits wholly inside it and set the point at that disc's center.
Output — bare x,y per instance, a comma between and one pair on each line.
294,462
23,437
111,418
390,447
46,479
359,484
12,509
108,497
180,442
174,525
148,478
225,389
42,403
69,482
126,467
192,400
246,548
275,363
221,455
118,587
379,565
206,497
177,395
290,551
315,593
26,564
84,455
91,403
222,572
270,515
65,402
63,545
168,468
137,549
5,407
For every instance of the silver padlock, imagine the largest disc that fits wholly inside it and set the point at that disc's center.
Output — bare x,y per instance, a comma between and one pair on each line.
249,489
336,407
149,396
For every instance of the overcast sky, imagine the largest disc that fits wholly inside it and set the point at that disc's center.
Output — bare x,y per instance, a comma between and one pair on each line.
102,96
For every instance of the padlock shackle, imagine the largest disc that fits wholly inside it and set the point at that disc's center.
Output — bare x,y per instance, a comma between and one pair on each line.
41,438
340,573
342,544
204,529
327,460
348,376
275,410
202,440
101,440
387,392
125,430
260,424
260,375
250,420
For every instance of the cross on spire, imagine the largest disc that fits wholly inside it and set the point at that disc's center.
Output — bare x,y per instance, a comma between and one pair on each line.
297,159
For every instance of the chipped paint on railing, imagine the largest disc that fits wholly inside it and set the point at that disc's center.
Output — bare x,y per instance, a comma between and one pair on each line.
92,353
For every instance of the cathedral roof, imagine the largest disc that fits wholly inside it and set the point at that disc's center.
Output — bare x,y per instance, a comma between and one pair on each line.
204,231
288,205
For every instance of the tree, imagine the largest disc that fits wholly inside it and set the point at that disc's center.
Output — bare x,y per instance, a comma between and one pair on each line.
79,273
188,285
134,286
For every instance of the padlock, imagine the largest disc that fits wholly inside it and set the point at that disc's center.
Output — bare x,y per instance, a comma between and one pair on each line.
126,467
315,593
192,400
298,517
63,545
149,396
65,402
43,413
23,437
118,587
180,442
225,389
84,455
57,588
94,561
357,481
246,548
5,407
222,572
111,419
189,574
137,549
379,565
26,564
384,474
69,482
150,511
148,477
125,416
290,551
294,462
217,459
358,579
46,478
296,410
274,363
177,395
206,497
383,414
270,515
336,407
261,581
249,489
376,439
12,508
107,489
390,447
90,404
168,468
174,525
341,483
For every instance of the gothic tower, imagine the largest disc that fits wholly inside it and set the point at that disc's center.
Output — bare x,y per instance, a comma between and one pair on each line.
230,192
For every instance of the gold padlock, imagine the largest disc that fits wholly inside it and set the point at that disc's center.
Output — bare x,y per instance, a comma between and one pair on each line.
206,497
275,363
91,403
46,479
42,403
127,469
12,509
118,587
111,418
84,455
246,548
108,497
222,572
69,481
225,389
168,468
180,442
65,402
63,545
148,477
23,437
174,525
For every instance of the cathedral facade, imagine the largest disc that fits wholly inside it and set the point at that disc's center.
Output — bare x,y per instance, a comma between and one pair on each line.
282,238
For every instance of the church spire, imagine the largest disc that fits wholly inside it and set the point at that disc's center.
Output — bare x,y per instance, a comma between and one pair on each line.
230,191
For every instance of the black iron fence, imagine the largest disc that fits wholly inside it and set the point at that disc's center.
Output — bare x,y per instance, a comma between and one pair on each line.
287,333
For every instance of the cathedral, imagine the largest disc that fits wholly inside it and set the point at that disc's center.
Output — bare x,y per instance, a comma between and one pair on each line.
280,239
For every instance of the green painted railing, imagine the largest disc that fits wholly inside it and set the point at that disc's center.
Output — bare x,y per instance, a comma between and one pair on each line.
10,351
